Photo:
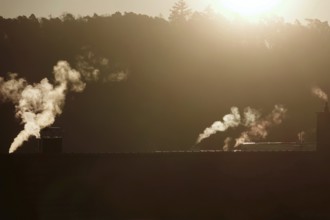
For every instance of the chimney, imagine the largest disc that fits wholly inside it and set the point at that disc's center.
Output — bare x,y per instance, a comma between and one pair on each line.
323,130
326,107
51,140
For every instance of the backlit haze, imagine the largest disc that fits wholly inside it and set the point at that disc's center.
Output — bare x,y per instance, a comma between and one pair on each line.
288,9
165,109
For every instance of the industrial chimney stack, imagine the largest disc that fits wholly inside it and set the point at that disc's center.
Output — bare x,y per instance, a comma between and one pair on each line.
323,130
51,140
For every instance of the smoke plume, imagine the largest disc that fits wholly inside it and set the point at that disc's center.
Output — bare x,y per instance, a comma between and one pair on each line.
37,105
320,93
259,128
11,89
86,66
116,77
231,120
90,66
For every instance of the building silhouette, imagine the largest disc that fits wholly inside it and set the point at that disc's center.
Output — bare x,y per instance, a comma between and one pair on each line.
322,130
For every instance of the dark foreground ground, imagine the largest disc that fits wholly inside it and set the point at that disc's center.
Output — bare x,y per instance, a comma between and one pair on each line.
177,185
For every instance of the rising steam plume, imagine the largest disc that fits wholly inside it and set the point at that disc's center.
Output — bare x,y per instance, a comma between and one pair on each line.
256,126
229,121
320,93
258,129
38,104
90,66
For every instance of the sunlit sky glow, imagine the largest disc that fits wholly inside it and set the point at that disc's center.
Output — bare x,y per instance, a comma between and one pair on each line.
289,9
250,9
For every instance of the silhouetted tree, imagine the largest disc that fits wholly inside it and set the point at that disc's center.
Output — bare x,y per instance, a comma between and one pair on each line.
180,12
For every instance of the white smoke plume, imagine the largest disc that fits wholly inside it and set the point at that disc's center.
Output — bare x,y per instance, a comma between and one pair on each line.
251,115
116,77
90,65
320,93
231,120
85,65
37,105
11,89
259,128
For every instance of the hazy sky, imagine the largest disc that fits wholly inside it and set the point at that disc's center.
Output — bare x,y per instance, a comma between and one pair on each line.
290,9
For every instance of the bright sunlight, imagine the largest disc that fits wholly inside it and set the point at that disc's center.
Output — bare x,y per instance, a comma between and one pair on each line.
250,9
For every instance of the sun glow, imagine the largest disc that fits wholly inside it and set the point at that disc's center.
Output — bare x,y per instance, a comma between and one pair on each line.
250,9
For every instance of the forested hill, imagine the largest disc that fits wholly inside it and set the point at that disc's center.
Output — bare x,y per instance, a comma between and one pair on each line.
183,74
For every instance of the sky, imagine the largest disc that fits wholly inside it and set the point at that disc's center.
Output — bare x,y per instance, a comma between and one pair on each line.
289,10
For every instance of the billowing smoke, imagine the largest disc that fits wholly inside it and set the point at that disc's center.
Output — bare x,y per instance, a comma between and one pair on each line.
116,77
231,120
257,126
37,105
259,129
320,93
251,115
90,66
86,66
11,89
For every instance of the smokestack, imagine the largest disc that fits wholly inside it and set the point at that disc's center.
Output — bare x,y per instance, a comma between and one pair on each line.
326,107
323,130
51,140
